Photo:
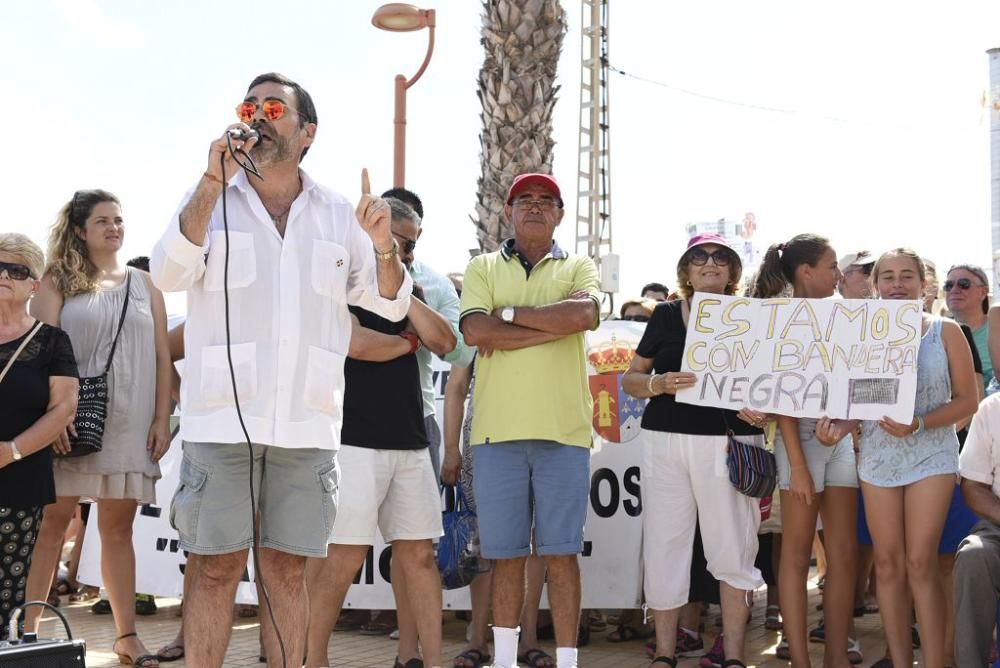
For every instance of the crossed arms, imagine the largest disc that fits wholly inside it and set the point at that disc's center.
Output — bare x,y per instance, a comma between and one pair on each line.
532,325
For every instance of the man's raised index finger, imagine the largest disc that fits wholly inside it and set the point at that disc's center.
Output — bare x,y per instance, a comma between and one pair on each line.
366,187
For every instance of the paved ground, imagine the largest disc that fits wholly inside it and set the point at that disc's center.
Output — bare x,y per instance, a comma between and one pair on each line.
356,651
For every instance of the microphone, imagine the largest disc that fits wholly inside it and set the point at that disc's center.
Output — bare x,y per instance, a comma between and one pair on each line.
243,135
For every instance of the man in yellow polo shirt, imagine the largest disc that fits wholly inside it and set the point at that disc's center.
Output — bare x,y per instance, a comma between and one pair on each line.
526,307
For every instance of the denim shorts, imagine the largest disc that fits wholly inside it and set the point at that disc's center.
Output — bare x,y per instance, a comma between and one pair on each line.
525,484
295,490
829,466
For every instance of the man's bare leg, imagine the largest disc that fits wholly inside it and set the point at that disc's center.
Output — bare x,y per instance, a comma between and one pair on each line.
212,587
327,582
534,576
422,583
564,597
284,579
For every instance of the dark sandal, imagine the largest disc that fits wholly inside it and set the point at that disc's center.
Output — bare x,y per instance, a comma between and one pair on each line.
142,661
669,660
583,635
734,662
536,658
474,656
169,653
626,633
376,628
412,663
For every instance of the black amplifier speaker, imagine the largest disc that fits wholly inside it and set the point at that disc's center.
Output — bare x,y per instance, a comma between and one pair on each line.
30,652
43,654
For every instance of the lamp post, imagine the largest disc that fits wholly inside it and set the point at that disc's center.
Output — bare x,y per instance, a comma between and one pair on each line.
401,17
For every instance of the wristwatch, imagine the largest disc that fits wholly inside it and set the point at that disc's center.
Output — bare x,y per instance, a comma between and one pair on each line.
389,254
507,314
14,452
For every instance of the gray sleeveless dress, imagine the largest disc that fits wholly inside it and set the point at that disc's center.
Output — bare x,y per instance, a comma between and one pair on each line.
887,461
122,469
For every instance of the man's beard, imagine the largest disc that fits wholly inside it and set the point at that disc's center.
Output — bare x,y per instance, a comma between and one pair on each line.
270,152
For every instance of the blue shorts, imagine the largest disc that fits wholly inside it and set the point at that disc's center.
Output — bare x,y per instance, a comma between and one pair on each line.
520,484
958,524
864,535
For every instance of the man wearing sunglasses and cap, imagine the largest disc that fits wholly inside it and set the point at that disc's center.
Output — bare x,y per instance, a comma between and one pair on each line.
268,322
856,270
527,306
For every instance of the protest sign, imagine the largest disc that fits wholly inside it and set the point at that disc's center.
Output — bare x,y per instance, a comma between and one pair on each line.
839,358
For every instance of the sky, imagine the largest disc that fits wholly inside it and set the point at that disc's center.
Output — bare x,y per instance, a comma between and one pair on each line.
861,121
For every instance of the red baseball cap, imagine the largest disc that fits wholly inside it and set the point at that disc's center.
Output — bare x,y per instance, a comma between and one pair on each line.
522,181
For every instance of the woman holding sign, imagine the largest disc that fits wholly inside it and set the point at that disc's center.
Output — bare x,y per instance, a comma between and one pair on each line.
683,445
817,475
908,471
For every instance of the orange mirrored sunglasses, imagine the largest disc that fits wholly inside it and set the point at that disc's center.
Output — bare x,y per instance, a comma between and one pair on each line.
273,110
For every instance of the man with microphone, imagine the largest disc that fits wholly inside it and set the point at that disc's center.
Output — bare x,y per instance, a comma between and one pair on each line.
269,315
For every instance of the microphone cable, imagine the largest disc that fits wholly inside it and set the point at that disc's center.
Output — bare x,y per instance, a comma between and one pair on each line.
259,571
12,631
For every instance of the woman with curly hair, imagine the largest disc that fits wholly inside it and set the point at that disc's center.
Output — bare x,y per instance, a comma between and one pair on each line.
85,290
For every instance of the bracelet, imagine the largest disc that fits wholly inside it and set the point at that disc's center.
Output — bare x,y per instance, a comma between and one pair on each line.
213,178
386,256
649,385
920,424
413,339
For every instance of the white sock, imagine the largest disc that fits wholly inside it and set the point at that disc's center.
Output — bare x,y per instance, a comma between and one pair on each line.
565,657
505,647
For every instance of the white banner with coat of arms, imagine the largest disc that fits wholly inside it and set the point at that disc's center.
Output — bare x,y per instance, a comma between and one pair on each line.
610,563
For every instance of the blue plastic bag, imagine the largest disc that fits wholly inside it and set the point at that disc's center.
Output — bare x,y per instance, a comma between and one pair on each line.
458,550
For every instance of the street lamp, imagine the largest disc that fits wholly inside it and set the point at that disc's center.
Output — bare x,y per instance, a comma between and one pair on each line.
401,17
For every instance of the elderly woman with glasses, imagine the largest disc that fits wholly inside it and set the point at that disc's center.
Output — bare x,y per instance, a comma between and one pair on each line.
38,392
967,293
682,447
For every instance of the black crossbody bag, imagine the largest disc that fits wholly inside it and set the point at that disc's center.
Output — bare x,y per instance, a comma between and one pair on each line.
92,407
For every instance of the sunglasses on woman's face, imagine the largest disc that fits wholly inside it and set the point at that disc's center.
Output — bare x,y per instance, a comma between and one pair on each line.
637,318
700,256
18,272
962,283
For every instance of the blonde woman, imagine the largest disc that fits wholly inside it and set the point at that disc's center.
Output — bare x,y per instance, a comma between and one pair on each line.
84,291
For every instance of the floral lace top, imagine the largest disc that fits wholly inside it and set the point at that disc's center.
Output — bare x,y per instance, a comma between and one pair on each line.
887,461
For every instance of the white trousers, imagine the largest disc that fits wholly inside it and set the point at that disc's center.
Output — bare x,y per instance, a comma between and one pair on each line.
684,479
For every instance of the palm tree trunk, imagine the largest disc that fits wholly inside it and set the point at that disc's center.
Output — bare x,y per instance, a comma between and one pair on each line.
522,40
